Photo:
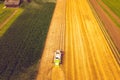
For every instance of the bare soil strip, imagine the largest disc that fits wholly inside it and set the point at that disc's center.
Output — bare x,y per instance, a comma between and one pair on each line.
107,36
110,11
110,26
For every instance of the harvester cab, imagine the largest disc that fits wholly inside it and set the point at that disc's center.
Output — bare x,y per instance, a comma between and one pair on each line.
57,57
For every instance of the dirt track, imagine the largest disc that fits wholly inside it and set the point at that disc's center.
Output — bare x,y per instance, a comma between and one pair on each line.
109,11
112,29
87,54
8,19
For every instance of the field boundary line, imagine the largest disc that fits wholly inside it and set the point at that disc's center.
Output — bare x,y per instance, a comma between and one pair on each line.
109,11
106,35
8,19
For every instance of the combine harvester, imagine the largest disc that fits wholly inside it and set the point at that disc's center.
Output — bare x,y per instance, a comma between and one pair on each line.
58,57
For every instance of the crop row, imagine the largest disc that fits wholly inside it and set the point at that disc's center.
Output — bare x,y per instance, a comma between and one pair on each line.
113,5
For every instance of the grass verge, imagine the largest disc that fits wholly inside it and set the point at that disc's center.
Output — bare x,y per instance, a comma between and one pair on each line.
5,12
113,19
114,5
6,26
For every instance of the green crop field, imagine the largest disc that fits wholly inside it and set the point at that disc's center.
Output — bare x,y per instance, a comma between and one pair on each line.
22,44
114,5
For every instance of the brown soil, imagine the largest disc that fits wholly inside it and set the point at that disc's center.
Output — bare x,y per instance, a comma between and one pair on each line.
110,11
110,26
